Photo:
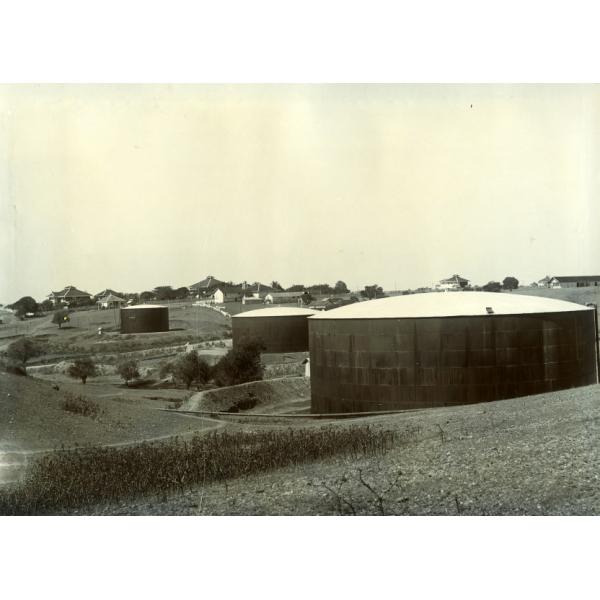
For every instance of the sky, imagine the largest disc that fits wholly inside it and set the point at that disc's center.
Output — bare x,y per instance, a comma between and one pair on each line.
134,186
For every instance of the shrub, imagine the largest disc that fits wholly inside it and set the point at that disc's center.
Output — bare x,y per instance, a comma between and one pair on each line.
240,365
80,406
83,368
60,317
24,305
15,369
128,369
188,369
22,350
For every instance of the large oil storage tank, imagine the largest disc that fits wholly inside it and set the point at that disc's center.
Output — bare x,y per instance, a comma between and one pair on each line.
441,349
281,329
145,318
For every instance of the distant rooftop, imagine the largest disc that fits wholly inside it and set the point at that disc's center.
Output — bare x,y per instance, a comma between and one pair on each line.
576,278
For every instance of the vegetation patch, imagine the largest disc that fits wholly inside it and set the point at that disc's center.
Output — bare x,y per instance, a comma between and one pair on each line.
81,406
76,478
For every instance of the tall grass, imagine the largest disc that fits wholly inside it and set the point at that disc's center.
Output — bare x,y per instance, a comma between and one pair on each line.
76,478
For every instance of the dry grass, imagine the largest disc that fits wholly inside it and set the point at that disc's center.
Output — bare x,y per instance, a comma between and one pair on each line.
80,405
71,479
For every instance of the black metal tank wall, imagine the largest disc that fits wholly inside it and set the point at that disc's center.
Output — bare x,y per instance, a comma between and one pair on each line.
360,365
278,334
145,320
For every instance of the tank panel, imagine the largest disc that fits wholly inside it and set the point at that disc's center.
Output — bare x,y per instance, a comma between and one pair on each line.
390,364
278,334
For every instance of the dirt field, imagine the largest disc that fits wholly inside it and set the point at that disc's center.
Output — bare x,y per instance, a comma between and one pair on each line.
537,456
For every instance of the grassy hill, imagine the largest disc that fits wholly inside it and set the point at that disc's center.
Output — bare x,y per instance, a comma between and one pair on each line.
534,456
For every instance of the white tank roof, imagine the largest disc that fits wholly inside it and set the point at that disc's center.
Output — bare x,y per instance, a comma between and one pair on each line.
450,304
278,311
138,306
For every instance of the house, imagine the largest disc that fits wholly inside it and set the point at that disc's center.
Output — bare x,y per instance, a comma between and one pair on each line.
206,287
286,297
456,282
70,296
545,282
226,293
110,301
569,281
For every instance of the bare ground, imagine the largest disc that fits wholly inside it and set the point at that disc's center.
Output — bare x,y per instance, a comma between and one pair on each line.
529,456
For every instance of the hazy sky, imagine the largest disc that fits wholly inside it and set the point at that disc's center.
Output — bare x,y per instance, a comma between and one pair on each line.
130,187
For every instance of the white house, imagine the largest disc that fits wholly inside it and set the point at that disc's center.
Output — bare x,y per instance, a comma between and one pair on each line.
454,283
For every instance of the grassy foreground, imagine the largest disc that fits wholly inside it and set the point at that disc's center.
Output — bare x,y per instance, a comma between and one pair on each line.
76,478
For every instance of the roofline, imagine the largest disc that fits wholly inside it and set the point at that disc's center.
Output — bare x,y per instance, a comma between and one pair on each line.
492,316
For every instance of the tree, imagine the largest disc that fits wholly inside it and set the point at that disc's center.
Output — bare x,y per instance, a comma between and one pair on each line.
61,317
165,292
145,296
24,305
190,368
22,350
128,370
372,291
182,293
307,298
277,287
341,288
83,368
492,286
510,283
46,305
241,364
295,288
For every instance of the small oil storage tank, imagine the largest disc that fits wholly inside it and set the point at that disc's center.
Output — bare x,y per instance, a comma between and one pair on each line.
144,318
281,329
442,349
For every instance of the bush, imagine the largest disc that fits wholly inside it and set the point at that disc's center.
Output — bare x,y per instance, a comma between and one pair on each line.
83,368
60,317
128,370
15,369
240,365
24,305
22,350
81,406
188,369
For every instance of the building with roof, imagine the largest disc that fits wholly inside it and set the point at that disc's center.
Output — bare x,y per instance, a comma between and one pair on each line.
206,287
286,297
454,283
425,350
110,301
226,293
280,329
570,281
70,296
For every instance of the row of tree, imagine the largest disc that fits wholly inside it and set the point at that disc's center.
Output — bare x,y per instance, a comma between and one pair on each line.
240,365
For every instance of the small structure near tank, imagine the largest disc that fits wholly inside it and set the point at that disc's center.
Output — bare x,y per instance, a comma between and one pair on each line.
145,318
280,329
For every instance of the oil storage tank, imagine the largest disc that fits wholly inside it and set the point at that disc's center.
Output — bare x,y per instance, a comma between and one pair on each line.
441,349
144,318
281,329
